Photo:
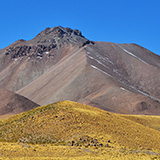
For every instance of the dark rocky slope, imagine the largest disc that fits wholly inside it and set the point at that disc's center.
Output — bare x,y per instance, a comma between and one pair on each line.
11,103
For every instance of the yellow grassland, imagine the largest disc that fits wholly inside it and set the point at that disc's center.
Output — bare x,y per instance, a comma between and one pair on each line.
147,121
47,132
15,151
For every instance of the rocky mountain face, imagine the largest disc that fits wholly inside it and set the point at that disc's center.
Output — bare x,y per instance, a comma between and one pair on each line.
61,64
46,42
24,61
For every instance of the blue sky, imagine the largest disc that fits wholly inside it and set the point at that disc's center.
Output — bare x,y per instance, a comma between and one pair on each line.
119,21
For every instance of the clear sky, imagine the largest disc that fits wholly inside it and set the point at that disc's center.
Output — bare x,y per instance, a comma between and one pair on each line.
119,21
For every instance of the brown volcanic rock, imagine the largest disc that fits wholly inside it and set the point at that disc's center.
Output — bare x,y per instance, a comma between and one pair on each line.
80,82
11,103
130,64
60,64
24,61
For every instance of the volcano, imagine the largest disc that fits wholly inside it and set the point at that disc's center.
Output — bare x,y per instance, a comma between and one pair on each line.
61,64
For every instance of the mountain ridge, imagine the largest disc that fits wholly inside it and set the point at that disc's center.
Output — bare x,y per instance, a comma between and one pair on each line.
61,64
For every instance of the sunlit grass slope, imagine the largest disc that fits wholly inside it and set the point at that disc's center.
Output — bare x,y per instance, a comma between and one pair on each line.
147,121
15,151
70,123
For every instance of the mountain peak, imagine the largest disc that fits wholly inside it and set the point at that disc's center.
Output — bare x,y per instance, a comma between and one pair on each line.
48,40
59,32
59,35
106,75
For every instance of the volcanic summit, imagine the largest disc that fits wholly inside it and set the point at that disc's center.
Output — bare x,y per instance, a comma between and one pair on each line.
61,64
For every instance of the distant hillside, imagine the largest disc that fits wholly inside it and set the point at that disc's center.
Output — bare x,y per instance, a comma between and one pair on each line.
11,103
74,124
